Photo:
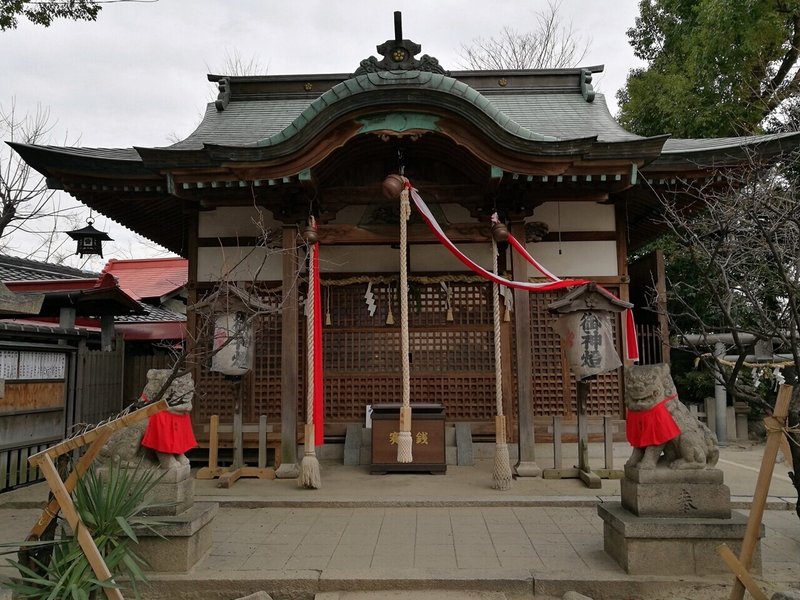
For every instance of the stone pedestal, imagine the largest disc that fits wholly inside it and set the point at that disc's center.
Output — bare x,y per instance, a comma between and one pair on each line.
670,522
695,493
174,492
186,533
187,538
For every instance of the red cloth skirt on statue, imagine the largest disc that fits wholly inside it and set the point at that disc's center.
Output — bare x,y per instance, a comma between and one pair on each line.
651,427
169,433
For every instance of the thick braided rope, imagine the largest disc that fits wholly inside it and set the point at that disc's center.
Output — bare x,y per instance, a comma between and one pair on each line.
310,302
498,368
309,467
501,475
404,441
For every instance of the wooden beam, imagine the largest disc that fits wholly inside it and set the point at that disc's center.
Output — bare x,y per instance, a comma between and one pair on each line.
775,425
81,532
90,436
52,508
741,573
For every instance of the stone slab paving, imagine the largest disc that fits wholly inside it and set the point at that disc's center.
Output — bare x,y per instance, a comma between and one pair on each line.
413,531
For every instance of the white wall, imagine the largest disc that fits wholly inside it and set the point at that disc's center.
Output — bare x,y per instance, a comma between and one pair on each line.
233,221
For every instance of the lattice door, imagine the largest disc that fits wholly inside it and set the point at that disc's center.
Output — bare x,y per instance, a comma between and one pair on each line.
452,362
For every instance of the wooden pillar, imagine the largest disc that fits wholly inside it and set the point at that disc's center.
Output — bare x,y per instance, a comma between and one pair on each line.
66,317
107,333
289,368
526,465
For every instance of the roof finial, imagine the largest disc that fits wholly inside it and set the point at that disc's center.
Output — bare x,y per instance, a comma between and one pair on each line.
399,55
398,27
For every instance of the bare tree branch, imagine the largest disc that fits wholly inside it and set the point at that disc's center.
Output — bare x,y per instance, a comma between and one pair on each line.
549,45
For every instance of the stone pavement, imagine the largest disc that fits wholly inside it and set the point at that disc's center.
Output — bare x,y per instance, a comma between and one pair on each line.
364,532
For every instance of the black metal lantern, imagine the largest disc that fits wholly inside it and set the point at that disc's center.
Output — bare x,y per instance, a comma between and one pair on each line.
90,240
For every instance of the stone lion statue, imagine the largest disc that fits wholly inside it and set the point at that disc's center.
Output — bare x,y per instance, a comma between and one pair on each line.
162,440
660,427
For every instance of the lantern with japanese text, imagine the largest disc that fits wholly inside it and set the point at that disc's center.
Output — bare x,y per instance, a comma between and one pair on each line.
584,325
233,344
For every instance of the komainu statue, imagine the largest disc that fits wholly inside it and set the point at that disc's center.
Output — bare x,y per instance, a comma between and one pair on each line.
660,427
163,439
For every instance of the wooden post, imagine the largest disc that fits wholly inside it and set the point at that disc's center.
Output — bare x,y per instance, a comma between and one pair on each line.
608,442
526,465
592,480
262,442
289,350
558,462
775,425
238,442
213,443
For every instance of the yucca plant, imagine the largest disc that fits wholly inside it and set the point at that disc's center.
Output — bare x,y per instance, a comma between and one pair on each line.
112,507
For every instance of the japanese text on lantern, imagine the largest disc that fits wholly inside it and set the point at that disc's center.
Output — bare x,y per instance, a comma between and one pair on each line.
591,340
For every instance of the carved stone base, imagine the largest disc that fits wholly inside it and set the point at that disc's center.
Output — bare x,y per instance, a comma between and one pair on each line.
665,492
174,490
671,546
187,539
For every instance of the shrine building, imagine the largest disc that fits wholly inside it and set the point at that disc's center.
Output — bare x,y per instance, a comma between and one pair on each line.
538,147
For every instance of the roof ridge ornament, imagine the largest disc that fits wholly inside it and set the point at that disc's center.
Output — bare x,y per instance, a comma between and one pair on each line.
398,55
586,85
224,96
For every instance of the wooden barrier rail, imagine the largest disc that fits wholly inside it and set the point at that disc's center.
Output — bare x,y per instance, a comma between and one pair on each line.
591,477
229,475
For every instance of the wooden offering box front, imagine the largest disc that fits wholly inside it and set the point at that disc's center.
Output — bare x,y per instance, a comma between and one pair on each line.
427,435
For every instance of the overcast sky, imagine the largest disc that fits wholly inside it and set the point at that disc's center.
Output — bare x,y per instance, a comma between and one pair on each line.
137,75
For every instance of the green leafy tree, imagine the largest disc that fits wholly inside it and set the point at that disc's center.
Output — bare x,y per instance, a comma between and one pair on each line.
44,12
715,67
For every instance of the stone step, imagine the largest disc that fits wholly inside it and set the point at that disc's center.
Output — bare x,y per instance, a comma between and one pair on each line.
412,595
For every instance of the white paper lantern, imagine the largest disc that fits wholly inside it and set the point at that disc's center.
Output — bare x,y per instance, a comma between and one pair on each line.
233,344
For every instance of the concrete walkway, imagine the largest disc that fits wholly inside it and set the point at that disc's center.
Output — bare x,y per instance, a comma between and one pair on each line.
364,532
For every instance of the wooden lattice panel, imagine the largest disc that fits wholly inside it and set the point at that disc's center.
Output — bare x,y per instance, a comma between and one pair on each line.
266,382
452,362
550,370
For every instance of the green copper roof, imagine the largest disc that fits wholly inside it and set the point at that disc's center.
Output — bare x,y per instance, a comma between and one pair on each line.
401,80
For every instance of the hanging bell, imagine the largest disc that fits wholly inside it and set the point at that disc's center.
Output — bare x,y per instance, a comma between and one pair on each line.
393,185
310,235
499,232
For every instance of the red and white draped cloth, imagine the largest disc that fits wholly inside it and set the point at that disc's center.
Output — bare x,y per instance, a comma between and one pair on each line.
553,283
